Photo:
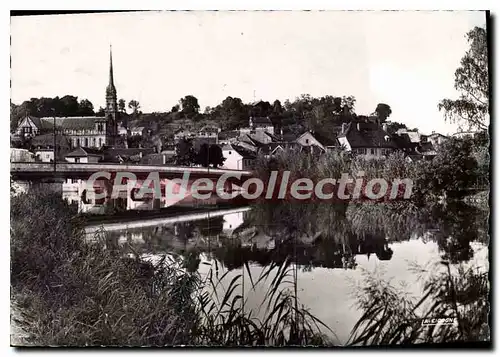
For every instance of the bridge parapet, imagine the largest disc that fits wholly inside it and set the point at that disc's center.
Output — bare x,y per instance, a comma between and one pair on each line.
36,170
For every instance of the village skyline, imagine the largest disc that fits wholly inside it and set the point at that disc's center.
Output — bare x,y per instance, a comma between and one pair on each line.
244,62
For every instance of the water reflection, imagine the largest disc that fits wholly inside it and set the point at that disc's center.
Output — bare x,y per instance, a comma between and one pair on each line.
325,242
327,237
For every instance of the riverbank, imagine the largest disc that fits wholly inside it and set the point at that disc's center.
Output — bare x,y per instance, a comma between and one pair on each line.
79,294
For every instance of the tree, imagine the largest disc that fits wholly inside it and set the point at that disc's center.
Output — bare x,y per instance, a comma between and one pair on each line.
86,108
454,168
175,108
210,155
121,105
134,105
203,155
189,105
100,112
383,111
277,108
216,158
184,152
471,80
232,113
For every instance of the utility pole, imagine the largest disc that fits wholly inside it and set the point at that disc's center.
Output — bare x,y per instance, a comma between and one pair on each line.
54,116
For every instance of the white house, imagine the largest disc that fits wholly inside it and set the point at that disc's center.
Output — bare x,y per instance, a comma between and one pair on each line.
138,130
237,157
437,139
21,155
315,139
84,155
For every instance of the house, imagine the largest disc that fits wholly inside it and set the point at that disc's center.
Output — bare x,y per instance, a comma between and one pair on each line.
406,144
227,137
237,157
427,150
87,131
208,132
43,147
367,139
29,126
310,138
272,149
121,155
138,130
263,136
437,139
183,133
465,134
21,155
261,123
249,143
122,131
84,155
413,135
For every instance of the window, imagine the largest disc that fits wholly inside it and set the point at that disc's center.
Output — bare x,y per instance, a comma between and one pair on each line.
86,142
100,142
307,141
230,153
77,159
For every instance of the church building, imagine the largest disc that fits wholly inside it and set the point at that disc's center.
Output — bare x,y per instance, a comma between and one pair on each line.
88,131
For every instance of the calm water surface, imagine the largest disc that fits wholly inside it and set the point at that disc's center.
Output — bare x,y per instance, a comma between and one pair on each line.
333,248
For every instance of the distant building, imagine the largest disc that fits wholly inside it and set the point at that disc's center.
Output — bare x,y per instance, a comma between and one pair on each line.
88,131
138,130
437,139
237,157
366,139
309,139
261,123
43,147
84,155
208,132
183,133
21,155
465,134
228,137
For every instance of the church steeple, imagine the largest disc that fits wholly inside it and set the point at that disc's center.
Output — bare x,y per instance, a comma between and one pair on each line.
111,105
111,90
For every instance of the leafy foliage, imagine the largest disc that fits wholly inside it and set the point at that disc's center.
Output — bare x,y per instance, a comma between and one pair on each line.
471,80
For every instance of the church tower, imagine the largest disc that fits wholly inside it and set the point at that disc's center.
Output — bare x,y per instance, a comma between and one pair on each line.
111,110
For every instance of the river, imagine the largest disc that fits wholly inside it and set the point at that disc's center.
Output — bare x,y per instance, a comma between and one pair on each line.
334,251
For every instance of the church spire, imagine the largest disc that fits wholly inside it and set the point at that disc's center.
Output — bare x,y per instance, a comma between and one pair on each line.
111,82
111,90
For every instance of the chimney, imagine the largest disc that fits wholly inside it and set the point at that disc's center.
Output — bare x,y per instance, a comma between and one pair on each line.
343,128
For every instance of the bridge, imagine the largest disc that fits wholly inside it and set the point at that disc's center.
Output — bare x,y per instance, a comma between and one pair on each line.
32,171
73,177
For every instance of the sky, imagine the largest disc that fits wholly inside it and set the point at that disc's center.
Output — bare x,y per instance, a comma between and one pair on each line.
405,59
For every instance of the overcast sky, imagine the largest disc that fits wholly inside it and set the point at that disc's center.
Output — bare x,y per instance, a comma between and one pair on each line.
404,59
